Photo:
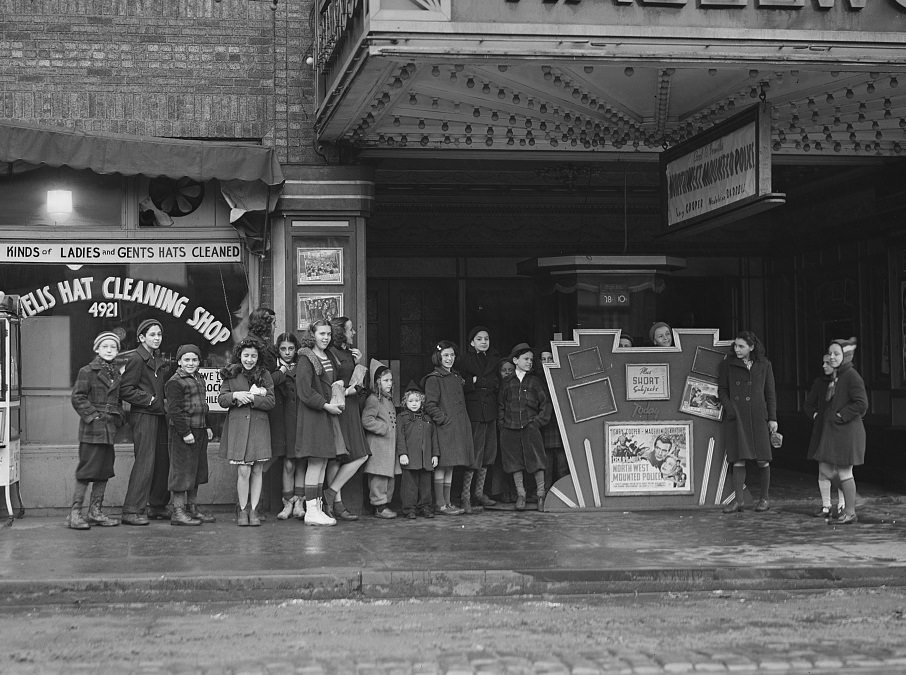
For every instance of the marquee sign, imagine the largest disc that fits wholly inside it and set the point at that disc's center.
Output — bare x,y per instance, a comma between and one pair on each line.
725,171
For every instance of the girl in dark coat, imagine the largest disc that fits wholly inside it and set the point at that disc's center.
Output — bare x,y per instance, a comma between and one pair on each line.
745,385
247,391
445,404
838,437
479,369
96,398
523,408
283,427
416,449
814,401
318,435
339,472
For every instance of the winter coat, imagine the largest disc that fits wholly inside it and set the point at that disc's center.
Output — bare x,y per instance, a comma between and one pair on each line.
246,435
379,421
317,431
283,415
416,436
96,398
445,404
186,402
749,402
838,436
351,417
523,408
482,382
144,376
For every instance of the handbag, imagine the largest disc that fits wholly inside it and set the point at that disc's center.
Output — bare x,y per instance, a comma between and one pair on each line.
776,439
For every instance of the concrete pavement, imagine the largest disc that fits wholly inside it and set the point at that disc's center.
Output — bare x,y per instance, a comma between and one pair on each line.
500,552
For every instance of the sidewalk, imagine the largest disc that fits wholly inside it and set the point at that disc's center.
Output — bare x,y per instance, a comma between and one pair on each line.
499,552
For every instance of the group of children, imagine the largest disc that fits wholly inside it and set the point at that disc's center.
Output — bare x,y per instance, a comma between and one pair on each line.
297,400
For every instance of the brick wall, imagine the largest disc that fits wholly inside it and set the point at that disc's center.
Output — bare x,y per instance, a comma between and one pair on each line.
181,68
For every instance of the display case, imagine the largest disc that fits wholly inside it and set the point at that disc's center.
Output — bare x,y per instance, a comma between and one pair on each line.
10,404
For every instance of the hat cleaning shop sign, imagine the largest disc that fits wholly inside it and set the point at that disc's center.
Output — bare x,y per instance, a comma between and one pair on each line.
106,293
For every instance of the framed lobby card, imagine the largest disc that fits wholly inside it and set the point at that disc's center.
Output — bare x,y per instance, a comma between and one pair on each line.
648,458
707,361
319,266
700,399
647,382
314,306
591,399
585,363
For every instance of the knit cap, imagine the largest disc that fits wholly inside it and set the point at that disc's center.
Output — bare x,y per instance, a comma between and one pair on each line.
848,346
106,335
475,331
187,349
145,325
413,386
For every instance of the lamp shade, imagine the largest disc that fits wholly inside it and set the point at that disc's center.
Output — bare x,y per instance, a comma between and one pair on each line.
59,203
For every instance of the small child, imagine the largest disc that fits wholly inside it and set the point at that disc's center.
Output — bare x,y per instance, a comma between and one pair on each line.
96,398
187,409
416,449
379,420
523,408
812,408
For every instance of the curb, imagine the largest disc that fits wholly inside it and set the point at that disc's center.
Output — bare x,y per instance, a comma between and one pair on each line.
373,584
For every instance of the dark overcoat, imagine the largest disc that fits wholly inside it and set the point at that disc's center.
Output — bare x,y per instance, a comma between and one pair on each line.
838,436
283,416
479,370
317,431
417,438
523,407
246,435
96,398
144,376
351,417
749,401
445,404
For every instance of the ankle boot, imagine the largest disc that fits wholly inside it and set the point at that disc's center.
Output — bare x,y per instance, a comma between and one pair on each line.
193,510
98,517
180,517
340,512
315,516
287,511
75,521
541,496
254,517
243,518
299,507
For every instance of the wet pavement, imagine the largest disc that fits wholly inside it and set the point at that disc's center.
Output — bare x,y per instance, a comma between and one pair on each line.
500,552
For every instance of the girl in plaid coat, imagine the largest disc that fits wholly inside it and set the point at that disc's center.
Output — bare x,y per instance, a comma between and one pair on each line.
96,398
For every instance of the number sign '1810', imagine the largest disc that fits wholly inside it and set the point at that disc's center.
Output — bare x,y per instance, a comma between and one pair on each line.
612,297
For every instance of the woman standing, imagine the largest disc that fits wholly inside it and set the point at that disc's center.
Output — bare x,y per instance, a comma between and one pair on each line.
745,384
340,471
838,437
318,435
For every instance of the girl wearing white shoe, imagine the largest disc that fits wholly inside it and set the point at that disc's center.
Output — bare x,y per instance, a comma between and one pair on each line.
283,427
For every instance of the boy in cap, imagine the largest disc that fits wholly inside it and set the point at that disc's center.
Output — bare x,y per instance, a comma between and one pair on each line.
187,409
144,376
96,398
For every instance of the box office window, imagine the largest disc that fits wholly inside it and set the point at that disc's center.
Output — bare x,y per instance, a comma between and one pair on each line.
65,306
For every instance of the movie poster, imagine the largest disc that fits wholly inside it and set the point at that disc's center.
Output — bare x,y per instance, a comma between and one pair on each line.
648,458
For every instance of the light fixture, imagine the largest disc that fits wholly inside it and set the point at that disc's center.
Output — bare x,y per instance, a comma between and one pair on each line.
59,204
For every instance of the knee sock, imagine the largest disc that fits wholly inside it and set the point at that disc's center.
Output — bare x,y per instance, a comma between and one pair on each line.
311,492
739,482
287,495
539,482
848,487
448,489
298,491
439,492
764,474
192,496
824,487
520,488
78,494
467,486
841,500
480,477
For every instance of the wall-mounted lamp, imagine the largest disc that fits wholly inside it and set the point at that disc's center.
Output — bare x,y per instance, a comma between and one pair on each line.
59,204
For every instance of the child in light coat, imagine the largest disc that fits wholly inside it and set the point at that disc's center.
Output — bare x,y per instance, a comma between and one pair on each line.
379,420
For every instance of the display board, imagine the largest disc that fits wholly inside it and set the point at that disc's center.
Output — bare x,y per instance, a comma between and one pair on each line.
641,426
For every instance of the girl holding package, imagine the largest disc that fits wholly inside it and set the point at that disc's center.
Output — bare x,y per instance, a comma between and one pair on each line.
96,398
318,435
379,421
247,391
524,407
417,453
445,404
189,433
283,427
838,437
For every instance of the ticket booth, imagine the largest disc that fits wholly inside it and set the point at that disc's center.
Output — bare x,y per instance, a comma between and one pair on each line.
10,405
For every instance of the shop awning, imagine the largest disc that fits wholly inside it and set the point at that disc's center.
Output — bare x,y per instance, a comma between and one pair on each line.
24,147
